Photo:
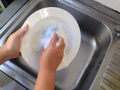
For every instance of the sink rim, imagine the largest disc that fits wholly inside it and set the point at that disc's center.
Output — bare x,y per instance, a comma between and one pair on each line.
104,23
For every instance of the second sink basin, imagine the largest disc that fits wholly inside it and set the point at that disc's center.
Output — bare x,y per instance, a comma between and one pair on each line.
96,38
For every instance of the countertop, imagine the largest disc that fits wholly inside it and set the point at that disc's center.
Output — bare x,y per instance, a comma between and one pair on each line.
112,4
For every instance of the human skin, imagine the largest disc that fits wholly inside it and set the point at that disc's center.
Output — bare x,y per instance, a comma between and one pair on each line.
50,58
49,62
11,48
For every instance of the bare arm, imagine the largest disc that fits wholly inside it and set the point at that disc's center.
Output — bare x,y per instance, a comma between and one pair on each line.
3,55
45,80
49,61
11,48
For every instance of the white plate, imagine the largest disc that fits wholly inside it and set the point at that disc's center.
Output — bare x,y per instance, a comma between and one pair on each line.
43,20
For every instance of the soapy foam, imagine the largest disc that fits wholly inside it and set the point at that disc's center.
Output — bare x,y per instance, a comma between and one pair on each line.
40,36
48,34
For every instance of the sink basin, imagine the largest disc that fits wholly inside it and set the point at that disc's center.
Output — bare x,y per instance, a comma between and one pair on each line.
95,40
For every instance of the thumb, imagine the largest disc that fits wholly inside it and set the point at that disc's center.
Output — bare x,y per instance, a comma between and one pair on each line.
22,31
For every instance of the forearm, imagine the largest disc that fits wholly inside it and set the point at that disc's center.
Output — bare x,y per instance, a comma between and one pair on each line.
45,80
3,55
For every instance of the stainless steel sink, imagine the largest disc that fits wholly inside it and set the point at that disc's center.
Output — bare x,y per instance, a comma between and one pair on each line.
97,37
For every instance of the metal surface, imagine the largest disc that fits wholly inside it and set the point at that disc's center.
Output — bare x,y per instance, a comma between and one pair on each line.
6,83
108,76
10,11
103,9
98,34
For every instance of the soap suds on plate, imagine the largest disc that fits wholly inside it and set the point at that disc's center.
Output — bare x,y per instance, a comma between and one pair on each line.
48,34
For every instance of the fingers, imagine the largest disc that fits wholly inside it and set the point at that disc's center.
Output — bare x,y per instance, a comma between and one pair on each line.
54,40
24,28
62,44
22,31
58,39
